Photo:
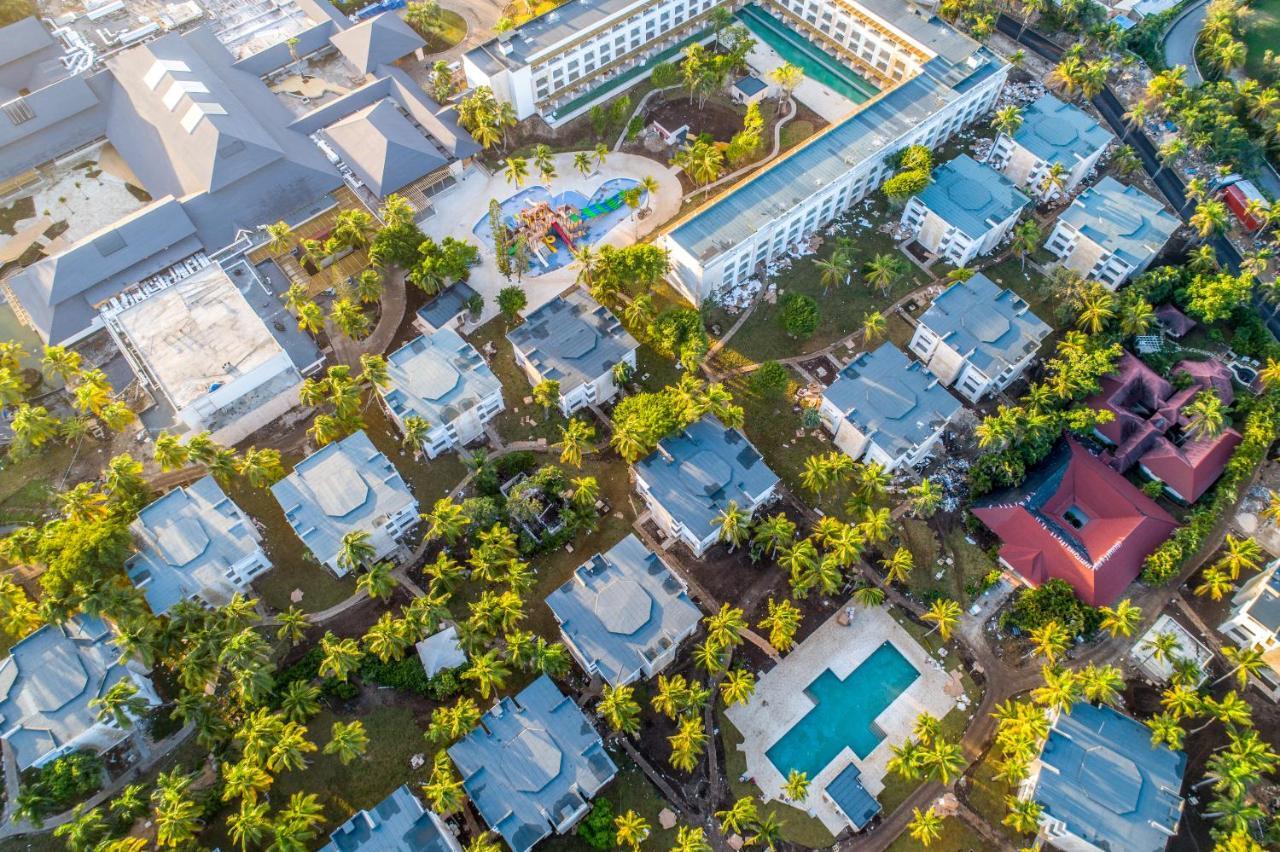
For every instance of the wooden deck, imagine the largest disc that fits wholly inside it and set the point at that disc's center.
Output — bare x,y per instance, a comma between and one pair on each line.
349,266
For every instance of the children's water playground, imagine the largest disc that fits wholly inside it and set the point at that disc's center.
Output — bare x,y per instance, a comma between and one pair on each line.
555,225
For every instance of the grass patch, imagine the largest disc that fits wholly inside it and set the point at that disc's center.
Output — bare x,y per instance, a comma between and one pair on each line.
957,836
452,30
1261,34
797,826
795,132
27,484
511,423
1033,287
970,563
986,794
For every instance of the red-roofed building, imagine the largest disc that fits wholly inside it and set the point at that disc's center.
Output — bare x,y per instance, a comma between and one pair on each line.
1151,431
1244,198
1075,519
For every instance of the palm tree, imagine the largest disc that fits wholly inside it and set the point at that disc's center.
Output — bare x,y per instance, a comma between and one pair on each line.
516,171
944,614
739,817
926,498
1209,218
349,319
120,704
301,701
1162,646
733,524
261,467
925,826
1095,310
575,436
868,596
544,162
1207,416
649,186
1026,239
1049,640
355,549
1242,554
293,625
816,475
737,687
1215,583
631,830
768,830
347,741
1023,815
1053,181
619,708
883,270
377,582
248,826
797,787
280,238
340,657
1006,123
582,162
1166,729
1245,663
1122,619
1059,691
782,622
1101,684
898,566
488,672
873,326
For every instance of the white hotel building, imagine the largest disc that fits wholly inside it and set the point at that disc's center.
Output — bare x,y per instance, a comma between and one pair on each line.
940,81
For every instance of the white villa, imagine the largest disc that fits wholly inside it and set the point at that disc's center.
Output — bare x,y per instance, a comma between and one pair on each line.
964,212
1052,132
1255,620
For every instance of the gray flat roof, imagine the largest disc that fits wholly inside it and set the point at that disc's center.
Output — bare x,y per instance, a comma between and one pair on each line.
531,763
444,308
768,195
344,486
623,608
696,473
399,823
1103,778
1059,132
48,680
891,399
544,32
198,334
992,327
971,196
438,377
1122,219
920,27
572,339
186,541
853,800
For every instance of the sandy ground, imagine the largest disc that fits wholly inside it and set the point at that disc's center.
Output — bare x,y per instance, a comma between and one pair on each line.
780,701
457,210
822,100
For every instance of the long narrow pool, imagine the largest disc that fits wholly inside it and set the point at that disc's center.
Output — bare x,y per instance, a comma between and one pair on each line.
844,713
817,63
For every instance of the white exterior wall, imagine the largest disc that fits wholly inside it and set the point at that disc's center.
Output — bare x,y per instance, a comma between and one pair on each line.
104,735
675,529
947,241
1026,170
699,279
887,57
461,430
1082,255
590,59
856,445
1246,632
952,369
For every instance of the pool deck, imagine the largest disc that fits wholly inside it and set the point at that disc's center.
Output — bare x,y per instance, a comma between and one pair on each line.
780,701
823,100
458,208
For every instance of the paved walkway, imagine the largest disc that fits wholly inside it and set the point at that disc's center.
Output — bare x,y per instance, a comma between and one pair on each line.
394,299
758,165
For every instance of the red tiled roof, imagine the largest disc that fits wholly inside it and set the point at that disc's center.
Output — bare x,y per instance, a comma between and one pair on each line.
1141,436
1116,527
1175,321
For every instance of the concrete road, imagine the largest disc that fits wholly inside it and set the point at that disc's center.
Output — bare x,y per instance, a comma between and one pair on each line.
1180,41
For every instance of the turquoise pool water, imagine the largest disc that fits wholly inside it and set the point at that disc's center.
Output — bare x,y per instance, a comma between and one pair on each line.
817,63
844,713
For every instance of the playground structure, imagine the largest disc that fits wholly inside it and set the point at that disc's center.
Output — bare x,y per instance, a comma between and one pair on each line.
541,222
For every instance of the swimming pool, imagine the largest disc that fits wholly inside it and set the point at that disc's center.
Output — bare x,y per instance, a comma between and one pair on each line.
844,713
817,63
596,227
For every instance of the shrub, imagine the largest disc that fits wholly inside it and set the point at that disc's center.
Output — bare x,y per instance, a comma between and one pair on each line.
58,785
405,674
596,829
664,74
799,315
771,379
521,461
444,685
1056,601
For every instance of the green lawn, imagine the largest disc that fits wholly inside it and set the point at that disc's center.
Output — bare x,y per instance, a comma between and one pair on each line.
26,485
762,337
957,836
1033,287
797,826
1263,32
970,566
987,796
452,29
512,423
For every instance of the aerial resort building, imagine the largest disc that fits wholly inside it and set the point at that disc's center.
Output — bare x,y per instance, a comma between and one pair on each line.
934,81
